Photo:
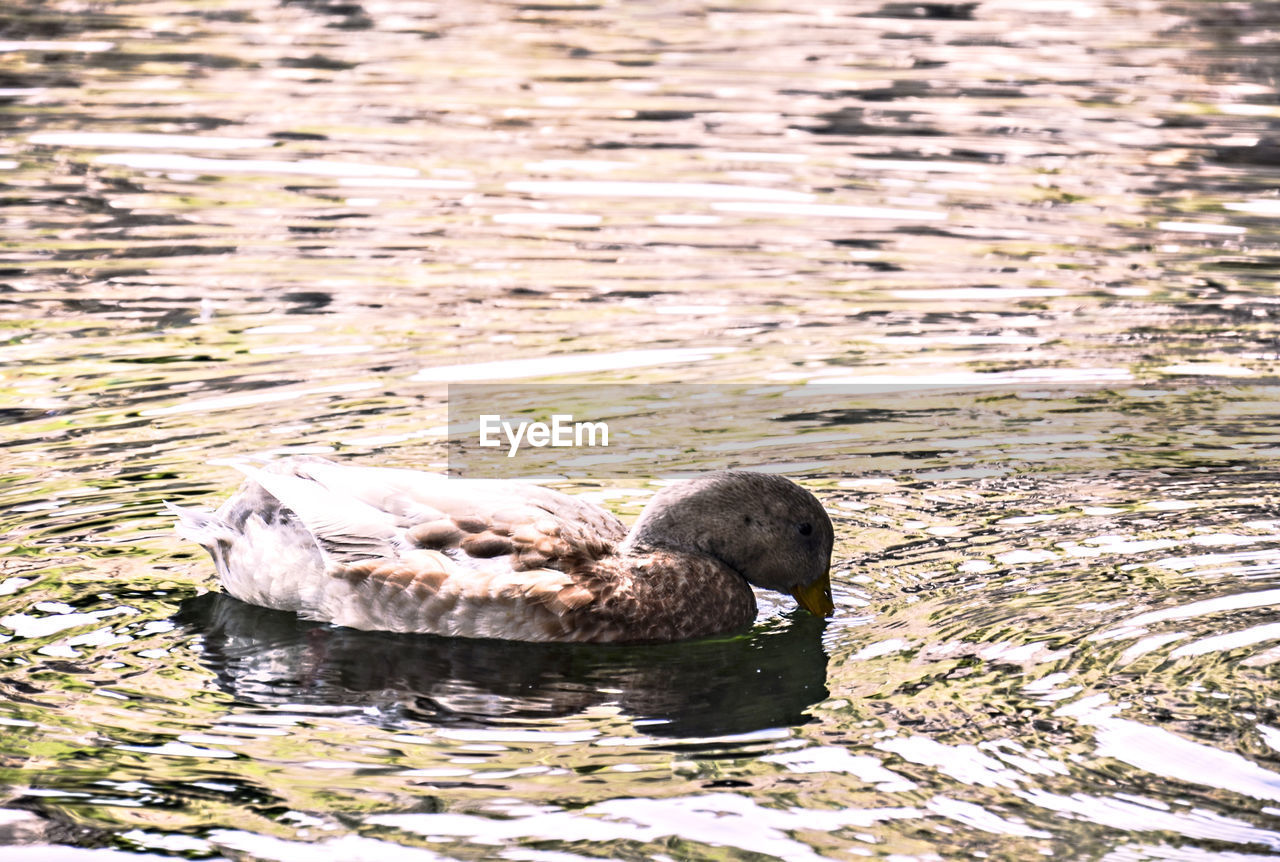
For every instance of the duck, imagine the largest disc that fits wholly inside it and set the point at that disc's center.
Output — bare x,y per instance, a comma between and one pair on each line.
400,550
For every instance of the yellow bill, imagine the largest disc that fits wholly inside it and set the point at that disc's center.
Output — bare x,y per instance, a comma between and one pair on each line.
815,596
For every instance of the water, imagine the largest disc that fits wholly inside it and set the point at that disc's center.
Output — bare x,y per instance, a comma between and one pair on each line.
256,228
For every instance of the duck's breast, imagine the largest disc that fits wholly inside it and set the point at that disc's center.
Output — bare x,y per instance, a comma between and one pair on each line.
662,596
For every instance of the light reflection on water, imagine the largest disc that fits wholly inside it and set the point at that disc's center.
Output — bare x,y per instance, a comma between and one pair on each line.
285,227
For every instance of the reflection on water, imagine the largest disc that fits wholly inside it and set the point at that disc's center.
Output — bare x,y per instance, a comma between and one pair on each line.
279,227
712,688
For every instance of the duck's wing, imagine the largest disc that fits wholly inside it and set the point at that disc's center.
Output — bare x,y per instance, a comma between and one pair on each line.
425,591
344,527
366,512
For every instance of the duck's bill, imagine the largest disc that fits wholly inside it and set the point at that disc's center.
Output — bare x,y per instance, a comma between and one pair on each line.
815,596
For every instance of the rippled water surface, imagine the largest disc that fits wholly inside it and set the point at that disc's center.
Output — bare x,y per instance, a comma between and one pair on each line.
1030,249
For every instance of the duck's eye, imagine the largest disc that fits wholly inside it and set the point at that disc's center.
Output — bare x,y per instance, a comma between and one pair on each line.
805,529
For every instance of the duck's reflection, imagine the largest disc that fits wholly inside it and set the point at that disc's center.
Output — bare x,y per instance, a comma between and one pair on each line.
766,678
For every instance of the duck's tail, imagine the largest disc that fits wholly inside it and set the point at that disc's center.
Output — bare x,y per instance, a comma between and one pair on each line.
200,526
263,554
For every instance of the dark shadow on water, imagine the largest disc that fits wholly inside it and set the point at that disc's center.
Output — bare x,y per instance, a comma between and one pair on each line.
765,678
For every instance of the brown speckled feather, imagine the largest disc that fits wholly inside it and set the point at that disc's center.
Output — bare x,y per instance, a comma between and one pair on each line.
483,519
530,536
661,596
652,597
427,591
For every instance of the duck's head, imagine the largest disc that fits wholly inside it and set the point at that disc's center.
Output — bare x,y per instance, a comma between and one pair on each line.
767,528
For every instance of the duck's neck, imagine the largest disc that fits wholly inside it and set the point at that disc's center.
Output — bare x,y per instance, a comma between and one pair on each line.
666,530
